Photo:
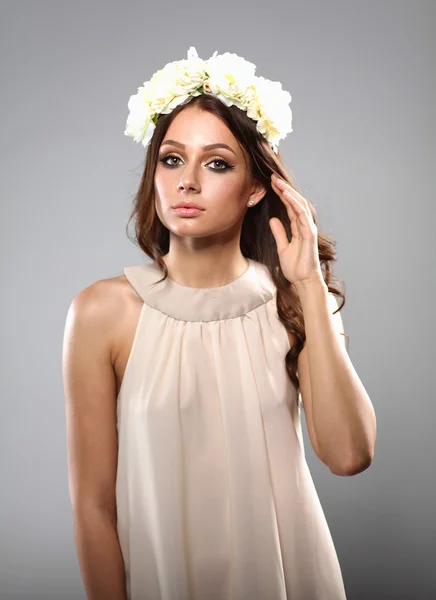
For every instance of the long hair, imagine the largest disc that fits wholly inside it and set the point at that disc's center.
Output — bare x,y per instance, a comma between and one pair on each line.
257,241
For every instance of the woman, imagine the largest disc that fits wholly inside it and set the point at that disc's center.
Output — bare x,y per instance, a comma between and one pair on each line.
187,471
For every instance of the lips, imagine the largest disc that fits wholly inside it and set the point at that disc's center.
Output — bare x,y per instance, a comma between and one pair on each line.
188,205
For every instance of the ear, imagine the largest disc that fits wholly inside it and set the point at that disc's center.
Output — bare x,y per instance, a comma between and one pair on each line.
258,191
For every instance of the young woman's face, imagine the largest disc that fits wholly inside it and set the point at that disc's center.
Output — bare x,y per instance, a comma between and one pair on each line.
216,179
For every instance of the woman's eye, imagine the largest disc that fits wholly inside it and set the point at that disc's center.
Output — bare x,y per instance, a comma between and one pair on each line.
169,157
222,162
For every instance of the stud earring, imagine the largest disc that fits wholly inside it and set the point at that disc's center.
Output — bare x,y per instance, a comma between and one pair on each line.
250,202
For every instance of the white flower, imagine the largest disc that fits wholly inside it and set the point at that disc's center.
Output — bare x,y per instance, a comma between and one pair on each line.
269,106
229,77
172,84
140,114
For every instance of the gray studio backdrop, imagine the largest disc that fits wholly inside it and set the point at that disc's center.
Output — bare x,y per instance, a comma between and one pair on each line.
362,80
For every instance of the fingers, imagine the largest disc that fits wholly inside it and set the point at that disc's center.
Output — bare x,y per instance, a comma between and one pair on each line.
279,233
297,206
293,216
285,196
283,185
284,190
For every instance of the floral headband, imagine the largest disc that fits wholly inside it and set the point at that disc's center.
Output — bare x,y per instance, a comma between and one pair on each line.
227,76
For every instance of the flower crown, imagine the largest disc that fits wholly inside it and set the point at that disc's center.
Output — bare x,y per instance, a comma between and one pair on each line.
227,76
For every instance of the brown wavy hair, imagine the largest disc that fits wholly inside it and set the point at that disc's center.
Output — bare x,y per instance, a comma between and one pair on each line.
257,241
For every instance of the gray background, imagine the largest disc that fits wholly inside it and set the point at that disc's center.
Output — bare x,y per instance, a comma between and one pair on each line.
362,80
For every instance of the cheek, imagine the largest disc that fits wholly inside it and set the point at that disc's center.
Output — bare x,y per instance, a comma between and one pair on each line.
159,181
163,187
224,189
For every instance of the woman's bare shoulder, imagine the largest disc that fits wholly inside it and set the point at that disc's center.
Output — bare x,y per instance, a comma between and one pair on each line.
106,294
100,307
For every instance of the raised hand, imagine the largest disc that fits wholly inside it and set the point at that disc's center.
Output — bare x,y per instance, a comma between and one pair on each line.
299,259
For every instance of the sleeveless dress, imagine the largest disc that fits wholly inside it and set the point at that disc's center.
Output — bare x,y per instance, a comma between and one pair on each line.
215,500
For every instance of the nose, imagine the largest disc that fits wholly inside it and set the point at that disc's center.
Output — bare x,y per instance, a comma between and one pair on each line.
188,181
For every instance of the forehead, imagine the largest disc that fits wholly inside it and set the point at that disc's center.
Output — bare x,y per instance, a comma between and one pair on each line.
193,125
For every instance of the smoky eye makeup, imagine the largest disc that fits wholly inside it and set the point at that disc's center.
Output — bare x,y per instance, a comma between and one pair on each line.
170,160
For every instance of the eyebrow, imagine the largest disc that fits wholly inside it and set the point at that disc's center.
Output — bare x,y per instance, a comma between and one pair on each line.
207,147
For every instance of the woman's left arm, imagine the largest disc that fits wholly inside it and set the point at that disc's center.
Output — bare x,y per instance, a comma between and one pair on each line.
343,417
342,413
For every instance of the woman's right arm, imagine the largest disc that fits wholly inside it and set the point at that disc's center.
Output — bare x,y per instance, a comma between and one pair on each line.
92,446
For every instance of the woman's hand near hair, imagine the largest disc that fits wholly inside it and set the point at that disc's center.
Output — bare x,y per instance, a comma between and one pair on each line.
299,258
92,446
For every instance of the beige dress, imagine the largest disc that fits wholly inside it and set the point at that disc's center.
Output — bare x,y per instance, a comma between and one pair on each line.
215,499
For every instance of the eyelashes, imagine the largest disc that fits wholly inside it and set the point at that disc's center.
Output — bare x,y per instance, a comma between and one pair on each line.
227,165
